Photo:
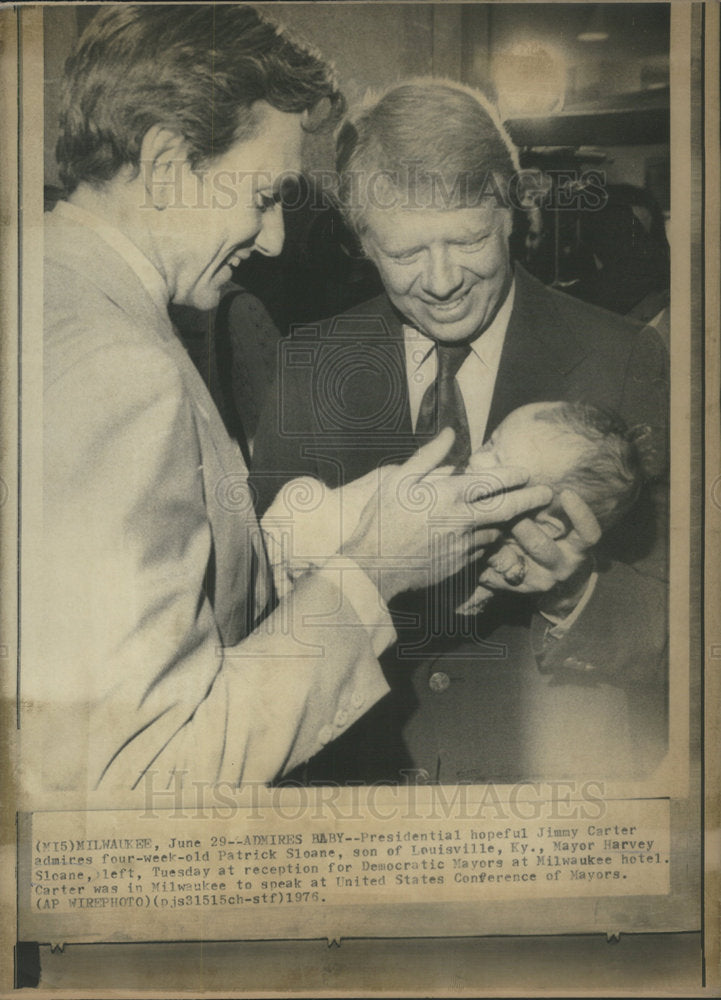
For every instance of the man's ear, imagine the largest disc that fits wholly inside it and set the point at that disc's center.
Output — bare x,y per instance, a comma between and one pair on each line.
552,525
507,223
163,155
362,245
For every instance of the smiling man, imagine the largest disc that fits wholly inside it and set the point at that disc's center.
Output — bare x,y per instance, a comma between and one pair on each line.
566,674
161,658
447,271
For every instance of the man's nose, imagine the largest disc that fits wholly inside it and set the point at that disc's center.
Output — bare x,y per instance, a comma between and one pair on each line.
271,237
442,276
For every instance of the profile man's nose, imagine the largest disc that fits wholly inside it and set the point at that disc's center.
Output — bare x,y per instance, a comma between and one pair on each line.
271,237
442,277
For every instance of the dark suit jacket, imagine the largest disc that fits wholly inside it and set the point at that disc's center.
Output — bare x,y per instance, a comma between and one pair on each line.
520,704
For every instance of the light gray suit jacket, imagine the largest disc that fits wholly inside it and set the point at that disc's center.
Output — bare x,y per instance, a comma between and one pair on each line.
154,567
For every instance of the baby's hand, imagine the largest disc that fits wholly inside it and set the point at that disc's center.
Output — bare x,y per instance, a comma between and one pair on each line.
476,602
505,560
509,561
544,553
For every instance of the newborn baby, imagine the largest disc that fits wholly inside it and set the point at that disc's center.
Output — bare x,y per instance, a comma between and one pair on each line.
568,446
564,445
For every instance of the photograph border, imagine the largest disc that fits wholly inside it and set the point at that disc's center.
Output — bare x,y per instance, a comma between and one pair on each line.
699,274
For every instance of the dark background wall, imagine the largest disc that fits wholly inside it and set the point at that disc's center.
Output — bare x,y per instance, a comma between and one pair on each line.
375,44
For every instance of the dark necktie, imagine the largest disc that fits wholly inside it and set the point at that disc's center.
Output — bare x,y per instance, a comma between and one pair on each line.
442,404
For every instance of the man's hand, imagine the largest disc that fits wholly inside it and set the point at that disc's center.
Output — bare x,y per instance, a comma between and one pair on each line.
425,521
535,563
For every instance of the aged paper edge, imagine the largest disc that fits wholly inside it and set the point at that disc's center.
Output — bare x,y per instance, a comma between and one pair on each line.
712,490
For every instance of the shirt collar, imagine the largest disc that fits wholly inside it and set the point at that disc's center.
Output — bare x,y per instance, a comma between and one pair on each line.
151,279
487,347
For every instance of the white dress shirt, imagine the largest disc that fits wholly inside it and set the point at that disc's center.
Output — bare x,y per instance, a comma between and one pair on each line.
476,377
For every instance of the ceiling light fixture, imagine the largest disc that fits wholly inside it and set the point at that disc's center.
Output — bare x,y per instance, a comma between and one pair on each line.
530,79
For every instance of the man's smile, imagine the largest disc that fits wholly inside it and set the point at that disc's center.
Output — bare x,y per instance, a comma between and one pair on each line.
452,305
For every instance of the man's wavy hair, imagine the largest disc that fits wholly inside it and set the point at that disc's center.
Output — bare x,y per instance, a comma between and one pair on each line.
437,143
194,69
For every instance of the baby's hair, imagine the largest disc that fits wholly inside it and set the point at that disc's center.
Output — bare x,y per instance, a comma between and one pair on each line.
608,474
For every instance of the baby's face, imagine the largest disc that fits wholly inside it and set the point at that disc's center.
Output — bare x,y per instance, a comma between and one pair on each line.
546,450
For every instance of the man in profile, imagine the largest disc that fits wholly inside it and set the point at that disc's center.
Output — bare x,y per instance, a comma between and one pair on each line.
565,673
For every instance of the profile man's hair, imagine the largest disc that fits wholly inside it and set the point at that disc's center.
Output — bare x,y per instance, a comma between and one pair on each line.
196,69
436,143
608,474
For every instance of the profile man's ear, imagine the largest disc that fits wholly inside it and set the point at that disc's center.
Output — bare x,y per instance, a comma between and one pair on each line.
508,223
163,153
357,247
553,526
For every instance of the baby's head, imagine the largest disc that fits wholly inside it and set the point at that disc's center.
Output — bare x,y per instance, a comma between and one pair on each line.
569,446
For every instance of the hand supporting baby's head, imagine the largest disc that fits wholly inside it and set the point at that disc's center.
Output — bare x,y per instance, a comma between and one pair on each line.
568,446
572,446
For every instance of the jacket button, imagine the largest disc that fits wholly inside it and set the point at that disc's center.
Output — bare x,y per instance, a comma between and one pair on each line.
357,700
341,718
439,682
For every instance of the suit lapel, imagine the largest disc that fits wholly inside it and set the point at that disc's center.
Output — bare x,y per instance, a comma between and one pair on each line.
539,351
240,569
378,396
369,421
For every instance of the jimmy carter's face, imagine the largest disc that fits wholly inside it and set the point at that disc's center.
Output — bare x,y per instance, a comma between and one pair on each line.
230,210
447,270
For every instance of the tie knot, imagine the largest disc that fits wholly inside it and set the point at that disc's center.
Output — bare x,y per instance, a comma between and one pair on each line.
450,359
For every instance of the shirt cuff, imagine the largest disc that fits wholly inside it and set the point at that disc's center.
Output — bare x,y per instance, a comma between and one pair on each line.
300,542
562,625
357,587
282,579
353,582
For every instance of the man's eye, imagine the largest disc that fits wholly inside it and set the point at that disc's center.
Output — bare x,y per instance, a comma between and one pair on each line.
264,202
473,245
404,258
